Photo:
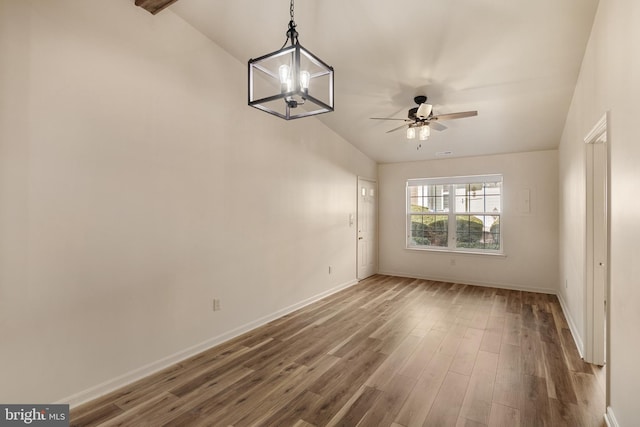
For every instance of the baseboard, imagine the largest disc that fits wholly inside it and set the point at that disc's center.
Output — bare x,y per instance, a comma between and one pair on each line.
474,283
137,374
610,419
572,326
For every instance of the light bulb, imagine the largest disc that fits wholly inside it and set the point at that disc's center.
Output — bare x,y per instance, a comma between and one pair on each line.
304,80
284,73
425,131
285,80
411,133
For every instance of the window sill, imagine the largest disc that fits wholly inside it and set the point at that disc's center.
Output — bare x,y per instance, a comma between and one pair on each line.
457,252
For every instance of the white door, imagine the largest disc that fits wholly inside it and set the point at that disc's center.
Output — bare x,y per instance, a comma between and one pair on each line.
597,250
367,228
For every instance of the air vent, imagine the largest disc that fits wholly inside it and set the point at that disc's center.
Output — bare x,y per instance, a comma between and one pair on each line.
444,153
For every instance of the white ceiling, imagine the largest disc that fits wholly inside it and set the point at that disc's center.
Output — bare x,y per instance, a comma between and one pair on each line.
515,61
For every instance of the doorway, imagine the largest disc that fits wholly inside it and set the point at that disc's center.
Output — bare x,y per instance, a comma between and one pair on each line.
597,242
367,264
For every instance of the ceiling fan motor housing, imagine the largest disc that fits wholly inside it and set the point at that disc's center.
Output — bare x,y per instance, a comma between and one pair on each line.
420,99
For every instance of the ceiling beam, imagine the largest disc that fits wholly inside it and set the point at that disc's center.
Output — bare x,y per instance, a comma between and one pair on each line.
154,6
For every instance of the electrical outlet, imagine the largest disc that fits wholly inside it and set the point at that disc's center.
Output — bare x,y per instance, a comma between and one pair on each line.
329,269
452,261
216,304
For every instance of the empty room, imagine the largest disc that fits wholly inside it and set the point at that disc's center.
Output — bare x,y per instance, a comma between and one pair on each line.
319,213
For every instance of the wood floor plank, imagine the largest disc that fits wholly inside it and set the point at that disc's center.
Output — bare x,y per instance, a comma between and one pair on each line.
144,413
512,331
297,409
390,351
465,422
492,338
507,390
424,393
534,408
253,397
97,416
589,396
393,363
565,414
446,408
419,359
476,405
337,393
532,360
285,392
559,383
465,357
354,411
575,362
388,404
504,416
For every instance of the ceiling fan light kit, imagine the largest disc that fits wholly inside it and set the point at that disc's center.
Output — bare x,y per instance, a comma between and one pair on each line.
423,132
291,82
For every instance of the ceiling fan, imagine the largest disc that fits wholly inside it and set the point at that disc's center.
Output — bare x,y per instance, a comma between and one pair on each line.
422,118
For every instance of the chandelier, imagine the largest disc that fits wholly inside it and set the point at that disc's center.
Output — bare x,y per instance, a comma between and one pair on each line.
291,82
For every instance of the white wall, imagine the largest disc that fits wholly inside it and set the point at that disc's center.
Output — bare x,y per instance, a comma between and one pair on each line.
609,81
136,185
530,239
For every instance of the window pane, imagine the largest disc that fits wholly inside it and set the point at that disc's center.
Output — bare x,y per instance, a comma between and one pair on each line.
417,205
493,242
429,230
437,229
462,203
478,231
492,203
469,231
429,198
436,195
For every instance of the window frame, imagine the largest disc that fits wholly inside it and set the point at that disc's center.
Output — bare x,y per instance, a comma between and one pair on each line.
449,184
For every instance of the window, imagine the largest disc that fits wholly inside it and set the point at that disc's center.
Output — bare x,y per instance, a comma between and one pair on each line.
455,213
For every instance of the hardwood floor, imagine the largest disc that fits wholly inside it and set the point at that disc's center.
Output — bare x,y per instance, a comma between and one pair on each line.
388,352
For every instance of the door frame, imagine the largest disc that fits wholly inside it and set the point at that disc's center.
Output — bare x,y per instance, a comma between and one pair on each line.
597,242
375,208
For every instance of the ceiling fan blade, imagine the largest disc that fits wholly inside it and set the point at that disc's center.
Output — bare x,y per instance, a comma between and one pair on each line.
398,128
437,126
387,118
452,116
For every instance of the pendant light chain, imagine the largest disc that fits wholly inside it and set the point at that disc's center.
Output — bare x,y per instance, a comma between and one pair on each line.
292,34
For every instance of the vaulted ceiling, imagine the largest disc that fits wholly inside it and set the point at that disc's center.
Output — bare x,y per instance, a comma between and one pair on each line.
516,62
